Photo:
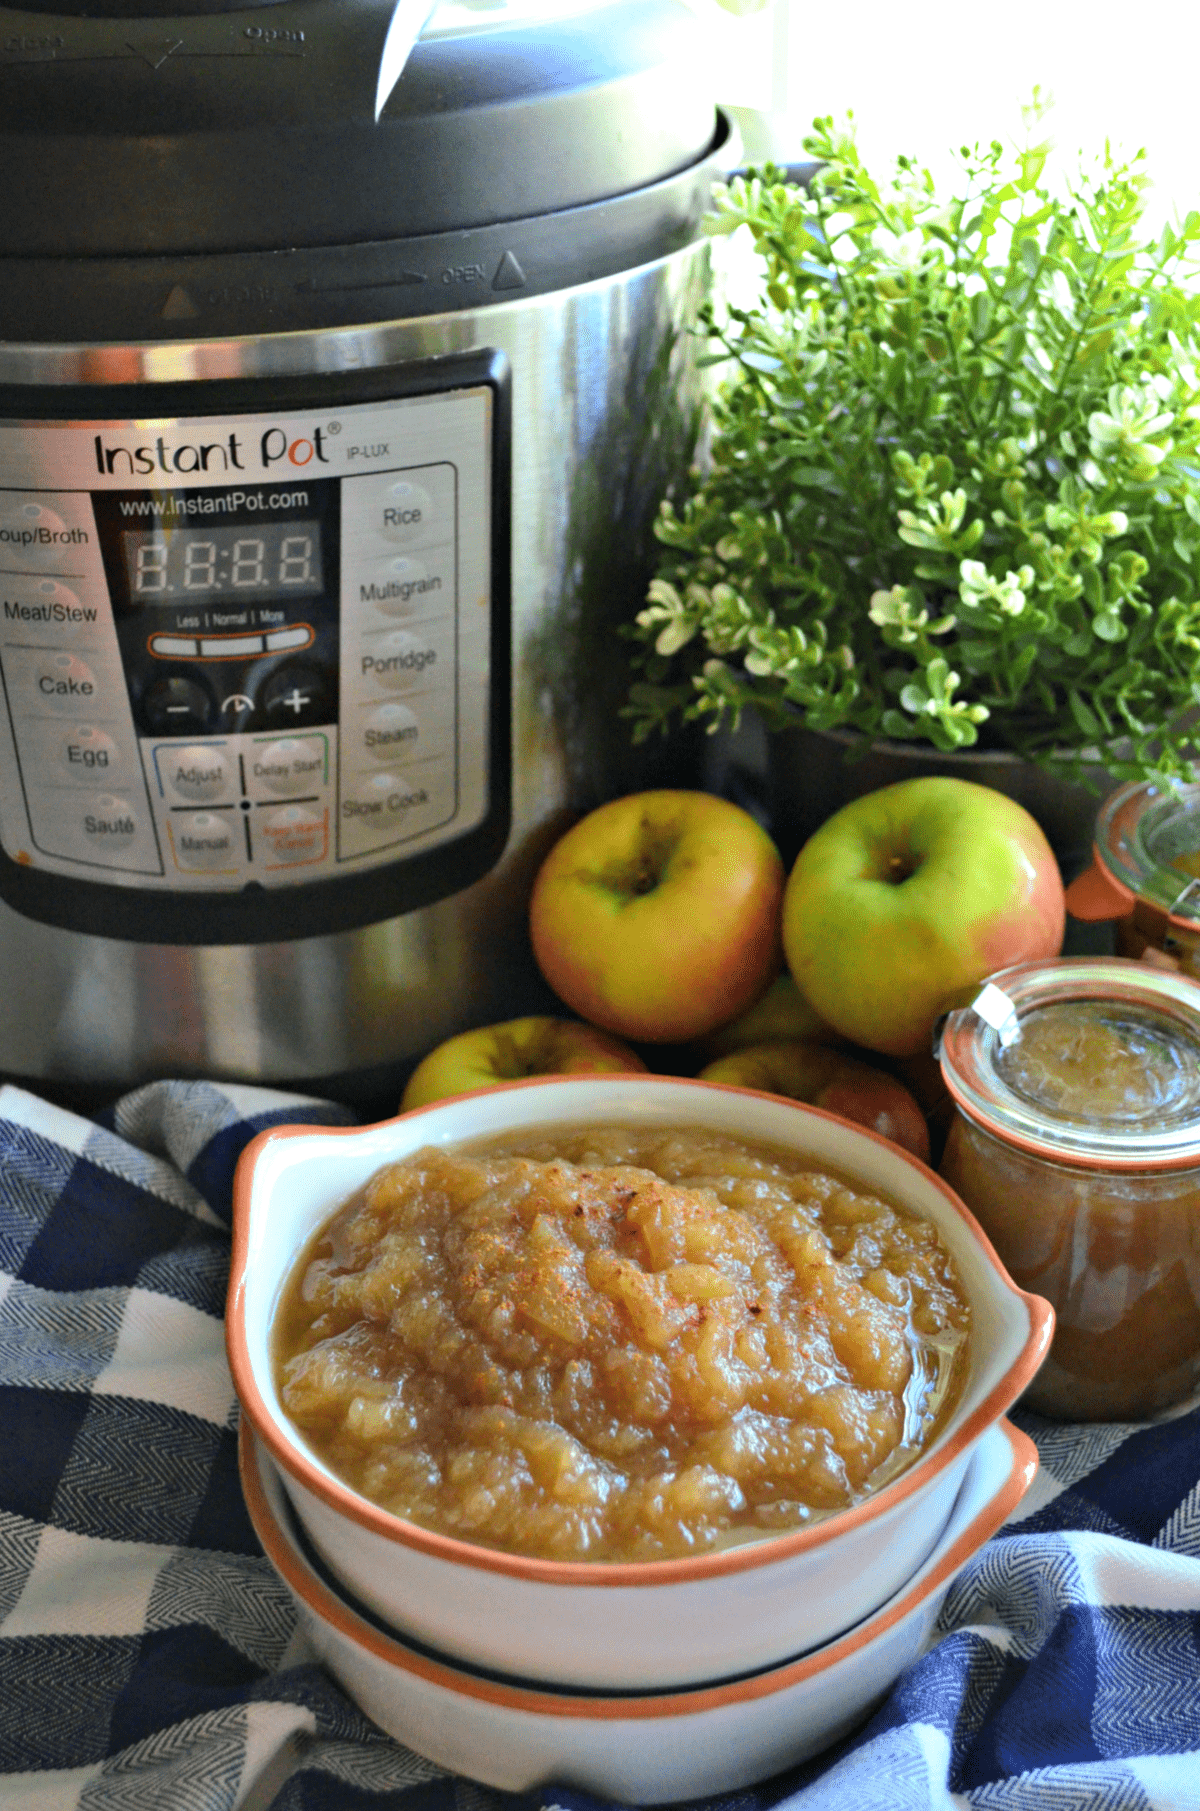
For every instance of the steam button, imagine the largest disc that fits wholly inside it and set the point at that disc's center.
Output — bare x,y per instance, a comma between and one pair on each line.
109,822
198,774
63,682
390,730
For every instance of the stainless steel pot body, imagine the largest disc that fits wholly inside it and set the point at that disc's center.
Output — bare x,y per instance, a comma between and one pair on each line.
605,398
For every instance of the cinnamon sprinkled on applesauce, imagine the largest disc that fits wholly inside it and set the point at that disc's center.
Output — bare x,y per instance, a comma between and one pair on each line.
615,1344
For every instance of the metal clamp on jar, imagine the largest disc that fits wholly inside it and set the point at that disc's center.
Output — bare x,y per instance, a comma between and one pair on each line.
1076,1143
1145,872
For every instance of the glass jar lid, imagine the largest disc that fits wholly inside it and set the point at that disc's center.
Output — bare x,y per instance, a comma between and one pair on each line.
1148,837
1090,1061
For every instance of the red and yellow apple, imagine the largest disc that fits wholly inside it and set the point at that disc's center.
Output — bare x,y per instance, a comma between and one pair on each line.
512,1051
827,1078
901,903
657,915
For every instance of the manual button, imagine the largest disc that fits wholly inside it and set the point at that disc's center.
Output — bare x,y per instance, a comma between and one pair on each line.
204,840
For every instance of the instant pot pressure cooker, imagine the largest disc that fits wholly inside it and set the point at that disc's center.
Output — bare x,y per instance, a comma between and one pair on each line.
340,378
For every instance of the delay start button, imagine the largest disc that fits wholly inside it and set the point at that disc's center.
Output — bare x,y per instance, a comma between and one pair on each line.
290,765
109,822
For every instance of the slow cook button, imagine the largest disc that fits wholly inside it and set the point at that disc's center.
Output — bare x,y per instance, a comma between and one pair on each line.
405,512
293,764
62,682
204,840
398,660
379,807
292,834
109,823
198,774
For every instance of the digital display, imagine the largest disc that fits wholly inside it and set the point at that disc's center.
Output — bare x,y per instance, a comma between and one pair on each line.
205,564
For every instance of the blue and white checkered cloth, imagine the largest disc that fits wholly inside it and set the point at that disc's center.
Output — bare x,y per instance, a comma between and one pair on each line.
148,1655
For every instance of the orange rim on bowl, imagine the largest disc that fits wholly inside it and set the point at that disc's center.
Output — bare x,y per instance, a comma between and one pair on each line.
330,1608
599,1574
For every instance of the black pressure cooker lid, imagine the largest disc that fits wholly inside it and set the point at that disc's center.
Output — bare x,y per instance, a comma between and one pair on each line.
142,127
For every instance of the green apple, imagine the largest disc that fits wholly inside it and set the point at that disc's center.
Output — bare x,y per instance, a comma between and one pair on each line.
512,1051
827,1078
657,915
904,900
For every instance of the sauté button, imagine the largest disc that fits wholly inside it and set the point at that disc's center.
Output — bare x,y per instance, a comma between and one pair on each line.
63,682
204,839
195,773
293,764
109,822
87,753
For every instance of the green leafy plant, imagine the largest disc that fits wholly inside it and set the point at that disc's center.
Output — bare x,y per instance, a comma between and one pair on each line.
954,484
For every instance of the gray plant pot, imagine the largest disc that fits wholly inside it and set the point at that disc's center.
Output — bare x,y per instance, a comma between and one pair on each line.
809,778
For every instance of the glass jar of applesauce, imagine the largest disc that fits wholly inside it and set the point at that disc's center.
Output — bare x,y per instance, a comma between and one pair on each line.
1075,1142
1145,871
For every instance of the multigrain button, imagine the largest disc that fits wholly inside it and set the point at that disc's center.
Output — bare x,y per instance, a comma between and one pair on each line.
109,822
404,585
406,512
390,730
397,659
198,774
205,839
87,753
293,764
293,833
62,682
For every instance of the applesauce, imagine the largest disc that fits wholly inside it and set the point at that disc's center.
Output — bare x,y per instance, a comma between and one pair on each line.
609,1343
1076,1143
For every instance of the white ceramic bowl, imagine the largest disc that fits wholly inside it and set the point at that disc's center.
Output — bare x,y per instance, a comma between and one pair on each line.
647,1749
612,1625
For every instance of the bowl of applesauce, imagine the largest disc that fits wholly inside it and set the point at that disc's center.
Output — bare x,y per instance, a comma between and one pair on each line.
621,1381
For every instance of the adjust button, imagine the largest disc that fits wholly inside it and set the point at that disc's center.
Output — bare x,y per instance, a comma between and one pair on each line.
197,774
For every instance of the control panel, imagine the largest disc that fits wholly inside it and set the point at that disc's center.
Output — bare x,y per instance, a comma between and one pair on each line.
248,650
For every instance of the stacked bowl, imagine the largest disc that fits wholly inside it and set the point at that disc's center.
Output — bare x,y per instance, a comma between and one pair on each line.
651,1680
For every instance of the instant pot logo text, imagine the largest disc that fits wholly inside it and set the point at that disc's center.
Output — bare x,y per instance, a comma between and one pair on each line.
274,450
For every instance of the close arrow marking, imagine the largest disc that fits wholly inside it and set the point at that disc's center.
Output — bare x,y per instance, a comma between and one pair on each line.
156,52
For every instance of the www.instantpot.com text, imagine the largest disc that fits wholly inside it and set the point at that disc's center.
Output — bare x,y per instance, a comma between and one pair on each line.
180,503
